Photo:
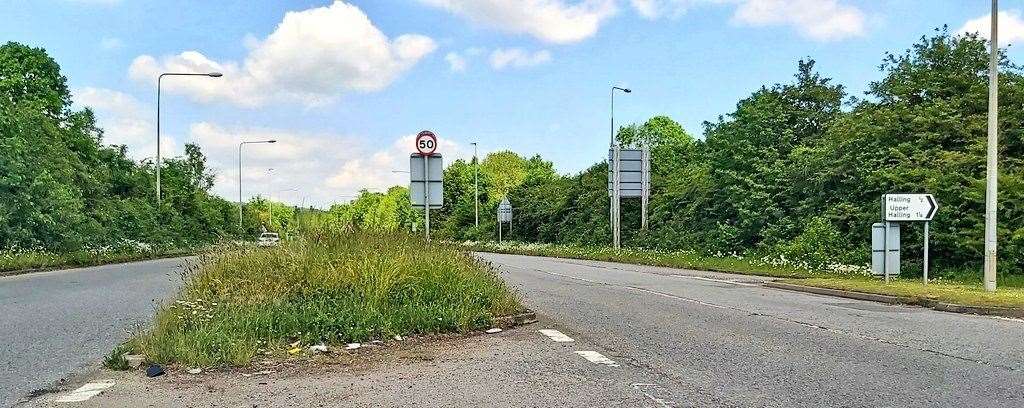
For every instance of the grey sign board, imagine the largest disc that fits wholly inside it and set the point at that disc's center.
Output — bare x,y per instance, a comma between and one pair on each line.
435,166
634,173
878,245
505,211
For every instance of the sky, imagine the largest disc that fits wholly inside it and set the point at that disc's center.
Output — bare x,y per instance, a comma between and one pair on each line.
344,86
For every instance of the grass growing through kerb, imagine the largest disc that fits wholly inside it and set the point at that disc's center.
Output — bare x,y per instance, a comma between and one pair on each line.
969,294
322,288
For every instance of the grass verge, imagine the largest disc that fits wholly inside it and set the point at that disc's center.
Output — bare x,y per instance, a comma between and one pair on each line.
775,267
966,294
961,290
13,263
243,303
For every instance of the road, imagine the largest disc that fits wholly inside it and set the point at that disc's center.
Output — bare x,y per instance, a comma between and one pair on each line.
60,323
631,336
710,342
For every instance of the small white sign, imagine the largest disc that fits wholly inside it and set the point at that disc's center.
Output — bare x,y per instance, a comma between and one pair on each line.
909,207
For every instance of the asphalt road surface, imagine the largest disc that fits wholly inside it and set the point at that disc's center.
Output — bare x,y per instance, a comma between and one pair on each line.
60,323
706,341
635,336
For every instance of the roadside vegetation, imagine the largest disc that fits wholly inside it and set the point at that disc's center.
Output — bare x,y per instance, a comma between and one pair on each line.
958,287
322,287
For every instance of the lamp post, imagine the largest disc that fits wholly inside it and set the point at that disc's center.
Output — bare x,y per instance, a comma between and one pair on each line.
476,187
991,168
613,166
240,176
159,80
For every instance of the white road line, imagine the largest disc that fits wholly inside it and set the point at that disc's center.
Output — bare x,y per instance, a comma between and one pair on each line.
662,402
728,281
597,358
556,335
86,391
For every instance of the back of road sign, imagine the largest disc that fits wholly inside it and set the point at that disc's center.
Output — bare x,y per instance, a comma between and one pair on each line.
634,173
416,177
505,211
878,245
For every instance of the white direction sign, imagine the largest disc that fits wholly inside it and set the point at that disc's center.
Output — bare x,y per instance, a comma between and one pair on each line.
909,207
505,211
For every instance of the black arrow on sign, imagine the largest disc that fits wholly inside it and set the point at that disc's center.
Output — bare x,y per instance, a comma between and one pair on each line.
931,201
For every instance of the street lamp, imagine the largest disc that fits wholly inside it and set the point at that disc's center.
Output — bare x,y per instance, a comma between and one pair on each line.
159,80
476,186
626,90
240,176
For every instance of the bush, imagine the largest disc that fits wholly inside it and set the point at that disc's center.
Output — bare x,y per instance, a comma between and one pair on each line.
322,287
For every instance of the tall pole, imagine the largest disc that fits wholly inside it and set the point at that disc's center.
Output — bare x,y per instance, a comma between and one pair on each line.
159,80
992,182
476,186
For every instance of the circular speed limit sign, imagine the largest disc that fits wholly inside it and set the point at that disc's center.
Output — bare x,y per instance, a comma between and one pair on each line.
426,143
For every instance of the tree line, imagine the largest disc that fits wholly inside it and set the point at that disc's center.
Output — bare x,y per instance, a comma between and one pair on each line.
798,169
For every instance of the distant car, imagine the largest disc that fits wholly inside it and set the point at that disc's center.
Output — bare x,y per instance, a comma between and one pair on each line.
268,239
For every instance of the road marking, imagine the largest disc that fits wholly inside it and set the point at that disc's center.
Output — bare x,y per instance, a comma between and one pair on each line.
644,387
597,358
728,281
556,335
777,317
86,391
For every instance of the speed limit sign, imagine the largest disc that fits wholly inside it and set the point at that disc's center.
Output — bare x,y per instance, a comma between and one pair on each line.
426,143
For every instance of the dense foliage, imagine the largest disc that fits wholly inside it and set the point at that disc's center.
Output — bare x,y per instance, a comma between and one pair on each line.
797,169
63,190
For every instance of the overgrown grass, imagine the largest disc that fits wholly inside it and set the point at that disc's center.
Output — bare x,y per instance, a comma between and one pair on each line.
943,291
329,288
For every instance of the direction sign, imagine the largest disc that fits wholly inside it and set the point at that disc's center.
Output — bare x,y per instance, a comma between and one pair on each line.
426,143
909,207
505,211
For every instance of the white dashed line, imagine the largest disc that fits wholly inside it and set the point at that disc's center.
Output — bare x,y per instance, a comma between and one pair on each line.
650,391
86,391
556,335
597,358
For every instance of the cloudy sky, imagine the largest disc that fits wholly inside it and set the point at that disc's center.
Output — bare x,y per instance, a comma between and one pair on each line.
344,85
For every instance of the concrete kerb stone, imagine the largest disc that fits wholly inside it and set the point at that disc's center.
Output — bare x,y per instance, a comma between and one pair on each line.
902,300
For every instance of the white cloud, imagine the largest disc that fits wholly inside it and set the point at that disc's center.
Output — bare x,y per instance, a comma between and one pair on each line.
821,20
311,57
456,62
655,9
553,21
1011,26
111,43
125,121
324,168
518,58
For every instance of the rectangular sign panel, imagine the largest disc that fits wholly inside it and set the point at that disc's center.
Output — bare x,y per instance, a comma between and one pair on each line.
878,248
908,207
634,173
416,185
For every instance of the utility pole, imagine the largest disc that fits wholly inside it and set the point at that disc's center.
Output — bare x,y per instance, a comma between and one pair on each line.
992,173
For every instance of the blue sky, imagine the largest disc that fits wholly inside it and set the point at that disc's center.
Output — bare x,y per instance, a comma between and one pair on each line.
344,85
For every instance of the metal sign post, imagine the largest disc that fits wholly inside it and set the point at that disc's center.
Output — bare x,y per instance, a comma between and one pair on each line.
504,215
426,197
908,208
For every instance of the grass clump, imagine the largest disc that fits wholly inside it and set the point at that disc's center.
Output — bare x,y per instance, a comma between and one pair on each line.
322,287
115,360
